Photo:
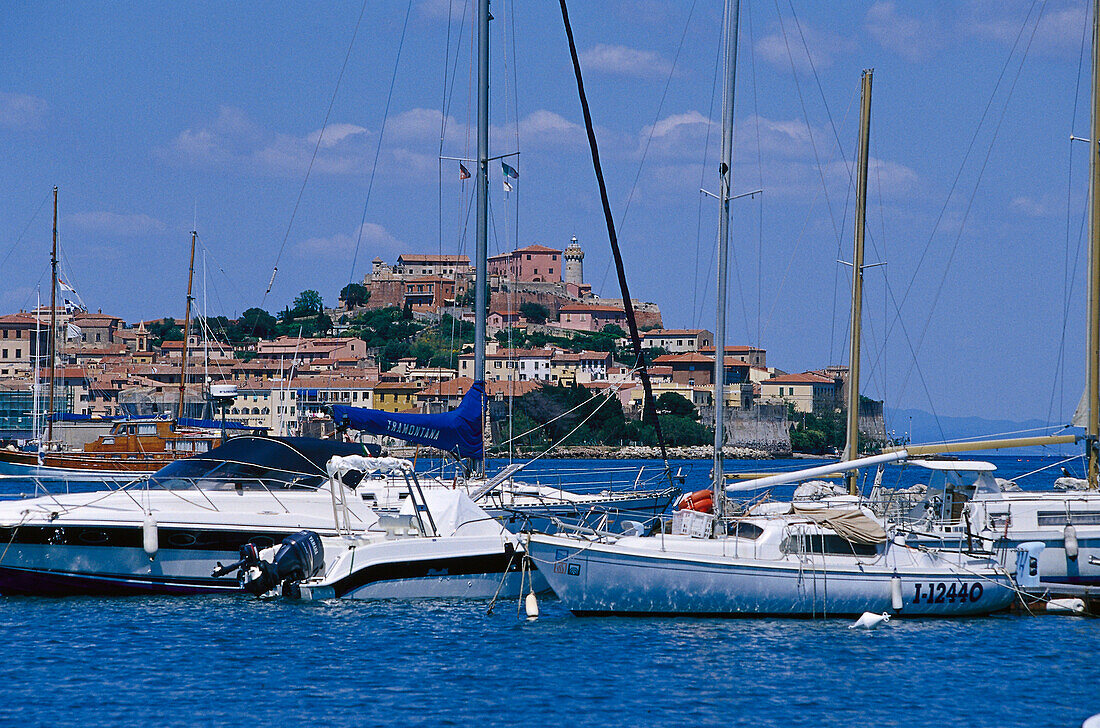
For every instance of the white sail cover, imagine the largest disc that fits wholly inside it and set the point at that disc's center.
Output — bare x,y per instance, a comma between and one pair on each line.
853,525
455,514
338,466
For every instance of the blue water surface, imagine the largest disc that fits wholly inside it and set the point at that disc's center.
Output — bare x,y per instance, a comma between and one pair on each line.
225,660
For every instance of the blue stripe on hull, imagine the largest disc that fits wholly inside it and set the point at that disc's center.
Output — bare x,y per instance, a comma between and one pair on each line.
39,582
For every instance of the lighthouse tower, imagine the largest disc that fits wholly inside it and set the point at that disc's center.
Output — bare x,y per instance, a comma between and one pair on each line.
574,265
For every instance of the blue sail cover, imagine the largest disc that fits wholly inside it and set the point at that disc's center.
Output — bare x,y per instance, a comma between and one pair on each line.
457,431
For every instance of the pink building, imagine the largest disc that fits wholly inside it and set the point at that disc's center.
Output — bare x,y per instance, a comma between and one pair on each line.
533,264
590,317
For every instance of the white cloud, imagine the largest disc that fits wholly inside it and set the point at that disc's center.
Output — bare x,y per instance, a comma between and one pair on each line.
113,223
907,36
825,47
233,139
374,240
1042,207
1059,30
21,110
626,61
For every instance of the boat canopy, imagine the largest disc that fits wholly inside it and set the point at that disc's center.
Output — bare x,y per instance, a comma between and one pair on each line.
457,432
259,461
853,525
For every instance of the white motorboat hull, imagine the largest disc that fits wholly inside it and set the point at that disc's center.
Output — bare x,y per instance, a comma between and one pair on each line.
594,578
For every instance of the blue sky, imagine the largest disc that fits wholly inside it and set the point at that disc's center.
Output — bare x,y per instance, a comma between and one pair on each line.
151,117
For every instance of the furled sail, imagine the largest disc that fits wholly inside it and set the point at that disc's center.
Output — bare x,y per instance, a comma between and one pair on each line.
457,431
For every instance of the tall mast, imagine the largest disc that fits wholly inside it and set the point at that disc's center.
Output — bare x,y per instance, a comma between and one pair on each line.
53,320
186,328
851,442
36,400
725,171
482,251
1092,342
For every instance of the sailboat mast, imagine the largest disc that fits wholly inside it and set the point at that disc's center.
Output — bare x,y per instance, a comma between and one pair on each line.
851,442
186,328
725,172
36,400
481,305
53,320
1092,342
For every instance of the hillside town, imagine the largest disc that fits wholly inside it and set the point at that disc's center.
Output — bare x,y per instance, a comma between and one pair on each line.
401,341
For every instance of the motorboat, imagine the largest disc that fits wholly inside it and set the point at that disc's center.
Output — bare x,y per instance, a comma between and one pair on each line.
965,506
160,533
440,544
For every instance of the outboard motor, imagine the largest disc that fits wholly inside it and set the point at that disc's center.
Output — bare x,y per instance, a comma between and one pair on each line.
300,556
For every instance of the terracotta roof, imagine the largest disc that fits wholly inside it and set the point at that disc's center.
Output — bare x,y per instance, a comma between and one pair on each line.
17,319
804,378
537,249
95,316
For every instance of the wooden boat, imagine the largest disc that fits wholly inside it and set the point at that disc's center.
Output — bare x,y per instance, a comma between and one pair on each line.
131,447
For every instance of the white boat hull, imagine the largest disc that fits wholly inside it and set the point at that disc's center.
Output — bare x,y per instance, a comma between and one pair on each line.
601,578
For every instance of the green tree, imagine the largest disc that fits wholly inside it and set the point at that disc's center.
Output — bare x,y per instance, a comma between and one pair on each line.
676,405
308,302
354,295
536,313
255,322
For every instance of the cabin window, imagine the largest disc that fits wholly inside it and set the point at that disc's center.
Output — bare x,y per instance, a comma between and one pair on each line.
742,529
108,441
822,543
146,429
1060,518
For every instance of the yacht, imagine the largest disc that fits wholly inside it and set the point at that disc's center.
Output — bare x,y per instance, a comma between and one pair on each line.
160,533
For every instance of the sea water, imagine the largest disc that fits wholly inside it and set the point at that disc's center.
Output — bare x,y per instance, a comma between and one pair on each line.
234,660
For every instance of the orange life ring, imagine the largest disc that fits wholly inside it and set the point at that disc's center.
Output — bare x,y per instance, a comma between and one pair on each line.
692,501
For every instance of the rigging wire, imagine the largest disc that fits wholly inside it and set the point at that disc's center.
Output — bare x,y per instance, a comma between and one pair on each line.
973,195
26,228
696,299
652,128
958,174
1067,278
378,145
313,158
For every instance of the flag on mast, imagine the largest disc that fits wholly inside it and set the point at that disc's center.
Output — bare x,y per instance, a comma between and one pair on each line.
463,173
508,172
65,286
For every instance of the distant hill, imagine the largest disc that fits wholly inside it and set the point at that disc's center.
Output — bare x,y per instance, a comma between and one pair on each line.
924,427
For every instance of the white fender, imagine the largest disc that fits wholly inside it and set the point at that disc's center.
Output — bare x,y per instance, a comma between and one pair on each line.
150,539
1069,536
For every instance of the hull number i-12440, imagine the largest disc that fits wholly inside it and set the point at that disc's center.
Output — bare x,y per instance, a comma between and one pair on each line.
939,592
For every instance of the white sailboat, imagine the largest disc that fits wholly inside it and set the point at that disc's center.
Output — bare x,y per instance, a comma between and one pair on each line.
790,560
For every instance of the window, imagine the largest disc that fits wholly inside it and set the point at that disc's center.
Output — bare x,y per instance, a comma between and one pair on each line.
818,543
97,337
5,333
553,257
536,271
528,256
5,352
18,353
